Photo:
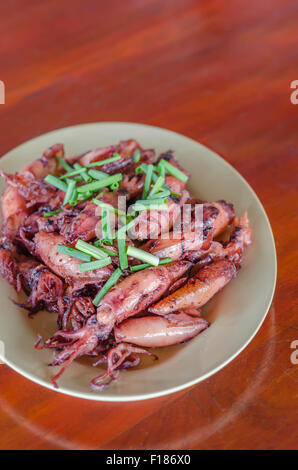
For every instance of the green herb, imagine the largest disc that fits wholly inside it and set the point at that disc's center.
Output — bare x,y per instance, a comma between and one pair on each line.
96,185
84,175
108,206
142,255
49,214
137,155
122,251
140,267
83,267
67,250
147,181
95,252
97,175
56,182
108,285
157,186
98,244
64,164
173,170
104,162
106,224
70,188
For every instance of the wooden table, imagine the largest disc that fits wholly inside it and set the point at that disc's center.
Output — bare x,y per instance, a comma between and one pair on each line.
219,72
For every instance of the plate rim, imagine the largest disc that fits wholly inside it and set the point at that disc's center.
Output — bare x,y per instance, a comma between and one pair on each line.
147,396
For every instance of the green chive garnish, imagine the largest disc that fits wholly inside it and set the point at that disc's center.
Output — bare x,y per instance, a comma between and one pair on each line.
98,244
96,185
49,214
67,250
142,255
121,240
70,188
160,195
137,155
104,162
140,267
79,171
157,186
84,174
97,175
108,206
108,285
56,182
64,164
99,263
90,250
174,171
106,224
147,180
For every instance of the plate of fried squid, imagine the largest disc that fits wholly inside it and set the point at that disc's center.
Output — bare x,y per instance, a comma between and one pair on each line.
134,261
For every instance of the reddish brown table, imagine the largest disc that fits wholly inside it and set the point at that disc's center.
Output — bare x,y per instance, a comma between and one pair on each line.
219,72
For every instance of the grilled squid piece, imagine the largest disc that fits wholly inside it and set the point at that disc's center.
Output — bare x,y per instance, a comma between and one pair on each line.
156,331
46,290
126,164
218,215
151,223
198,289
150,331
173,183
131,296
65,266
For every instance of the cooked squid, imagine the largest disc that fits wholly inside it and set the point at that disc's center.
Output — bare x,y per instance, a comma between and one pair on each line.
113,302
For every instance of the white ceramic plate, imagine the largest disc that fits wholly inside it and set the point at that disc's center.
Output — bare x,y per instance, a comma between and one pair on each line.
235,314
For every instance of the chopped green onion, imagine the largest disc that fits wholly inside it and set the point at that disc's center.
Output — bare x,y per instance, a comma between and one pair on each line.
176,194
161,170
56,182
106,224
141,169
162,194
124,229
114,186
70,187
137,155
108,285
64,164
142,255
121,240
103,162
173,170
147,181
98,244
84,175
108,206
152,207
157,186
140,267
74,197
49,214
97,175
151,202
95,252
84,196
79,171
101,263
96,185
67,250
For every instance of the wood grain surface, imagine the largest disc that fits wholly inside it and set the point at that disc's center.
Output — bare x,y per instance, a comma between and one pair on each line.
216,71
